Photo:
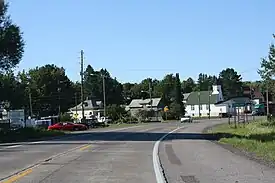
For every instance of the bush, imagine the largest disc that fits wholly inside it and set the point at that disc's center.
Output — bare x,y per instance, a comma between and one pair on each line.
65,117
23,134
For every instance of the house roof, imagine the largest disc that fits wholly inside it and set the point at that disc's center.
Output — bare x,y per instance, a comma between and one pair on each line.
238,100
137,103
201,97
185,96
88,105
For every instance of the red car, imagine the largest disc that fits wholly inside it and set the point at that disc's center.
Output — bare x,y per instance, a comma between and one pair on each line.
67,126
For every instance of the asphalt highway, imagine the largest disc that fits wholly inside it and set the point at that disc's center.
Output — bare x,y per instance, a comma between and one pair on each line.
133,154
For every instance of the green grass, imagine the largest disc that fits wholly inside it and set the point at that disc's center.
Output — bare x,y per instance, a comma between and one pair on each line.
24,134
257,137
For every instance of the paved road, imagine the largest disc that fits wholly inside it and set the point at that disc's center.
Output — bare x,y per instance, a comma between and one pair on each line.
118,156
126,155
187,158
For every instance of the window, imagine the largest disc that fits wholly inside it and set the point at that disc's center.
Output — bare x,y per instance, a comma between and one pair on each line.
200,107
192,107
207,107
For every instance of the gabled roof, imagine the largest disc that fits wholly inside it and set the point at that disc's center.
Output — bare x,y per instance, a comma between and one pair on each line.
185,96
88,105
137,103
238,100
201,97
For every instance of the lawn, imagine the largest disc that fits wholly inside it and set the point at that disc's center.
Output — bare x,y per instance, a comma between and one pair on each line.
25,134
257,137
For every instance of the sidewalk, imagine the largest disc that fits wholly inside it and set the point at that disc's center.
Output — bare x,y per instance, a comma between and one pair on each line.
201,161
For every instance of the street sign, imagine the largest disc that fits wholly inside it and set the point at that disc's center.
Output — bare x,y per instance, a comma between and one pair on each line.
238,105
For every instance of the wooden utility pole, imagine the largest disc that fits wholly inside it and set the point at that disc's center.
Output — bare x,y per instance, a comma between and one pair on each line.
199,102
75,102
104,94
82,84
209,98
267,104
30,99
150,93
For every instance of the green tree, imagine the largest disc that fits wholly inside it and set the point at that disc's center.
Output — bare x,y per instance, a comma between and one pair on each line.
11,90
50,88
179,97
116,112
205,82
189,85
166,87
93,86
267,70
11,41
231,83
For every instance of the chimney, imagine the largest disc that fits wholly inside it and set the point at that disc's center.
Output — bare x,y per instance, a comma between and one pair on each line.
216,89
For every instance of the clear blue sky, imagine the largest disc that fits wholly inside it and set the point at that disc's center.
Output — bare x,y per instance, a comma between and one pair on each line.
136,39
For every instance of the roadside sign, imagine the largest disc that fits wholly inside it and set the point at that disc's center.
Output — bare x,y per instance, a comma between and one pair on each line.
238,105
75,116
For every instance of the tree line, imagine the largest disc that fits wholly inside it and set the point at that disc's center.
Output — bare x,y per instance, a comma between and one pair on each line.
50,91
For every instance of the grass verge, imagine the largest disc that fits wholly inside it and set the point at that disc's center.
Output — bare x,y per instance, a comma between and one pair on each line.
257,137
25,134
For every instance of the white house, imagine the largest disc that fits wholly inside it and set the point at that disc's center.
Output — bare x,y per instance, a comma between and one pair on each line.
92,109
201,103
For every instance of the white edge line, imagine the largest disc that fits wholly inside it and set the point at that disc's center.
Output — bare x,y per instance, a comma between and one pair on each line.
156,161
8,147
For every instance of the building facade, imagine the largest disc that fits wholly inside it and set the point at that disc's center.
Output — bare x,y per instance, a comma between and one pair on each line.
202,103
92,109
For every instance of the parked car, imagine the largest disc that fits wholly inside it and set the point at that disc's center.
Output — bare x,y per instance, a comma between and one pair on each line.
68,126
258,113
187,119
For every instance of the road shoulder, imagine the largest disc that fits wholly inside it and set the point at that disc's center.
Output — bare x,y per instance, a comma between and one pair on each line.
188,158
240,151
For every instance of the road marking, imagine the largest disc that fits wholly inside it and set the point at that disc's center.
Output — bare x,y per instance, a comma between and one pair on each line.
18,176
156,161
4,179
8,147
85,147
37,142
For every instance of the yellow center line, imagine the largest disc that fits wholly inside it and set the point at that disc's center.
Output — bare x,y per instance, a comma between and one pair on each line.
85,147
18,176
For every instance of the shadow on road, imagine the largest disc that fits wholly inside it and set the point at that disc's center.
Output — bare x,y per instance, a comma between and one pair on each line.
130,136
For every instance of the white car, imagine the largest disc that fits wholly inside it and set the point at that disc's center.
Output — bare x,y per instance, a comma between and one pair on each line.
187,119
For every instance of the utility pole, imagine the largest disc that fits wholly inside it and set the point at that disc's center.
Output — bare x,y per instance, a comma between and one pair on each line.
209,95
82,84
104,94
251,98
267,104
199,98
75,103
59,89
30,99
150,93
